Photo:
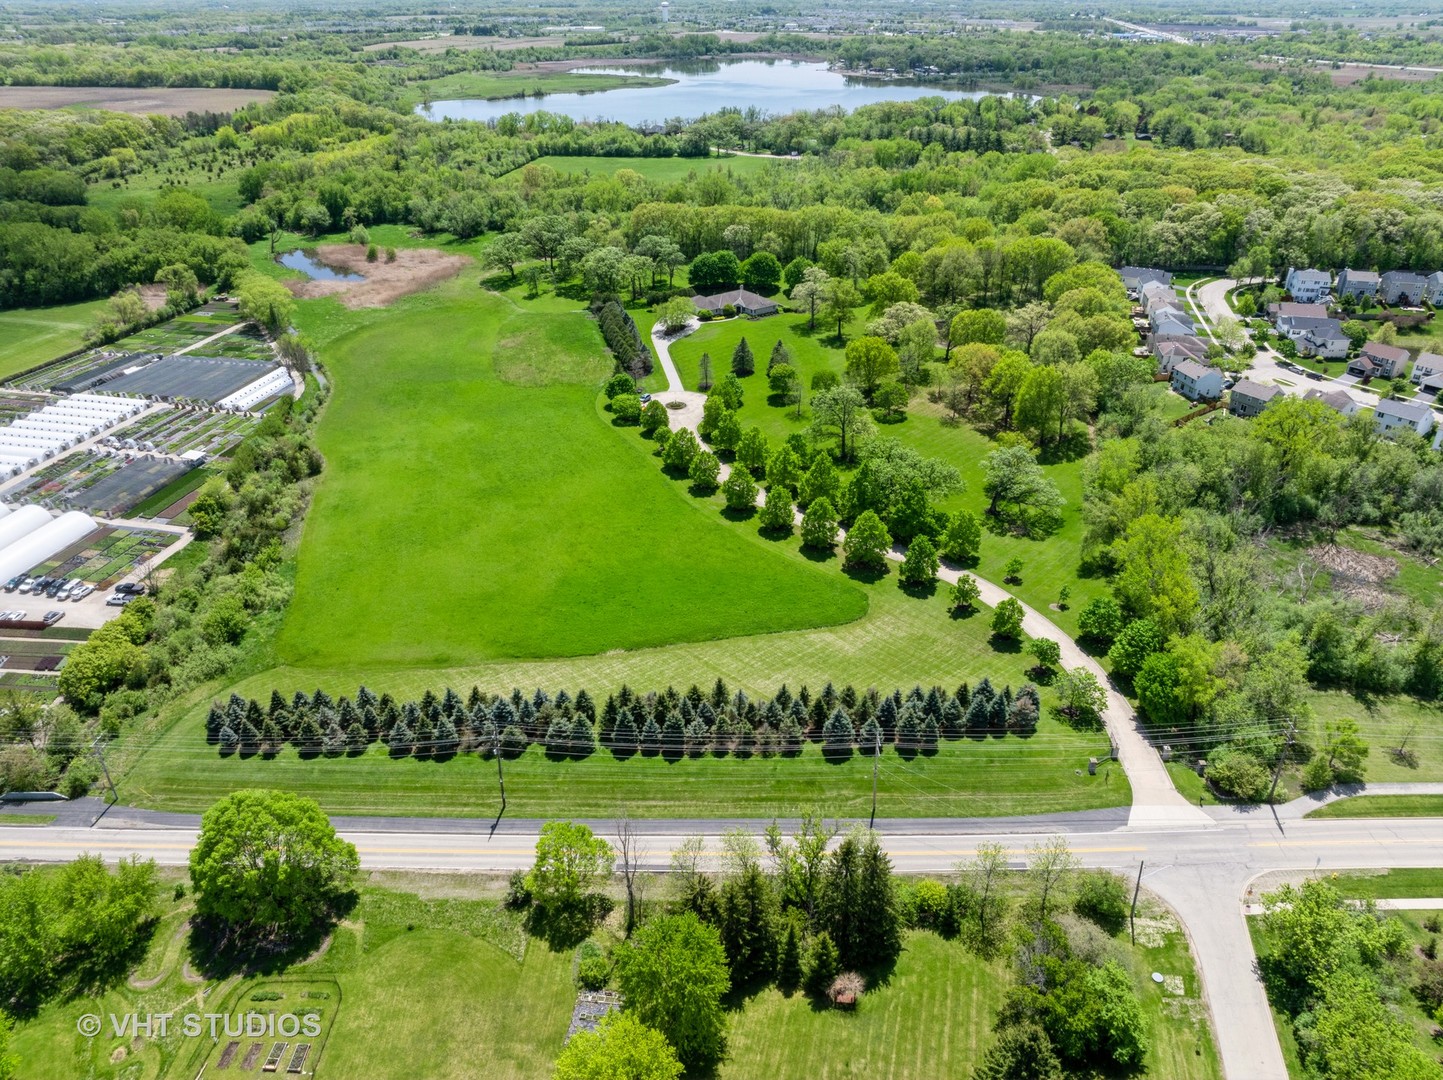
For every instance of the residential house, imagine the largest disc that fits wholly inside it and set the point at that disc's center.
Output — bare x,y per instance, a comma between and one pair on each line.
1171,322
1291,320
1135,277
1171,351
1393,415
1154,295
1378,361
1337,400
743,300
1324,338
1248,398
1360,283
1308,286
1402,287
1197,382
1434,292
1428,372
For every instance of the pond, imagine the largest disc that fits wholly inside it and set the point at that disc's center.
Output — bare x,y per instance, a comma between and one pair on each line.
308,264
770,86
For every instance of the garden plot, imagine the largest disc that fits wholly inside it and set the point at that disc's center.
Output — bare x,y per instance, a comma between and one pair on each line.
28,684
107,555
59,482
193,378
182,430
32,654
114,494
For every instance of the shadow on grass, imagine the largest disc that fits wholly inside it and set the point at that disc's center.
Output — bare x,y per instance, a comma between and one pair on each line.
962,613
219,950
1005,644
698,491
921,591
818,555
739,515
564,928
867,575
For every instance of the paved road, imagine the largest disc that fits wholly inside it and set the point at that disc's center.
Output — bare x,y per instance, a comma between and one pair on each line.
1201,873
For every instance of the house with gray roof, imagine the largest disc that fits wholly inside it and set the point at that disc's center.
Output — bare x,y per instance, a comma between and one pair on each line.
1248,398
1360,283
743,300
1308,286
1393,415
1337,400
1428,371
1325,338
1171,351
1434,291
1135,277
1378,361
1197,382
1402,287
1292,320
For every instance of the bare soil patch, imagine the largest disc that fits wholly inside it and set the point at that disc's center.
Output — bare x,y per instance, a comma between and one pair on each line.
138,101
385,282
1356,574
154,296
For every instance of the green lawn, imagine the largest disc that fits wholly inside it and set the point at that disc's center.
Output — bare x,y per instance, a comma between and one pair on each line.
1384,723
476,505
31,336
220,189
1391,884
26,819
1371,806
663,170
517,84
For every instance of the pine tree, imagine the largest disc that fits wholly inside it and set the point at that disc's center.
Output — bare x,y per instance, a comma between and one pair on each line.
558,736
446,738
356,738
789,961
823,964
952,718
780,355
402,741
909,728
651,737
838,733
887,716
583,737
673,734
624,735
789,734
749,925
743,363
585,706
697,737
871,737
214,720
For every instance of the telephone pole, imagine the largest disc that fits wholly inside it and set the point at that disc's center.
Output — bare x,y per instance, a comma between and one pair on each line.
1132,915
500,776
100,756
876,759
1283,757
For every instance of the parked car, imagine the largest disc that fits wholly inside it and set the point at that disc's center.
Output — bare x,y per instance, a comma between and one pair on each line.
53,617
645,398
1227,384
63,593
52,590
27,585
17,615
130,588
14,583
82,590
119,600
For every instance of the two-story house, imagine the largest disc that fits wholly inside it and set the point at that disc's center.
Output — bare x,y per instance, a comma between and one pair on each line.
1360,283
1392,415
1248,398
1292,319
1197,382
1135,277
1428,372
1324,338
1379,361
1402,287
1308,286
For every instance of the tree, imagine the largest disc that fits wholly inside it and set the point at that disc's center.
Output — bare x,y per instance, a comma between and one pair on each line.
1100,620
570,861
621,1048
776,515
749,914
762,272
740,490
823,964
919,567
727,432
811,291
867,543
819,525
743,363
264,300
675,314
962,542
1080,698
789,960
1007,619
780,379
654,419
752,450
1013,571
1154,579
271,863
983,326
1021,1052
839,301
780,355
626,408
673,974
704,470
1102,899
841,413
1136,641
819,482
1047,652
1050,865
888,289
1004,381
715,270
1344,751
870,362
858,903
965,595
9,1061
703,378
1041,404
504,252
983,877
680,450
1020,492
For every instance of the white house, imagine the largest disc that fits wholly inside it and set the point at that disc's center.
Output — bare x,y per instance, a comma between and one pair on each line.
1434,291
1248,398
1392,415
1197,382
1135,277
1428,371
1308,286
1292,320
1325,338
1337,400
1360,283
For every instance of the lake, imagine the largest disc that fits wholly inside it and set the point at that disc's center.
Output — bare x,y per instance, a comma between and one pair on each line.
313,268
771,86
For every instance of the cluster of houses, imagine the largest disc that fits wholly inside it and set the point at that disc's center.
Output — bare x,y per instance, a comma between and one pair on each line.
1396,288
1181,353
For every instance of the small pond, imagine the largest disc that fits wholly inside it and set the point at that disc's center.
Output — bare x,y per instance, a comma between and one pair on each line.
307,263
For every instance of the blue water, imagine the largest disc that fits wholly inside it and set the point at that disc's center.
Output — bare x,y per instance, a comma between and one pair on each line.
306,263
770,86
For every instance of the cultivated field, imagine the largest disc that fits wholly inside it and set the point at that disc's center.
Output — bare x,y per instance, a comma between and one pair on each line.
477,506
166,101
30,336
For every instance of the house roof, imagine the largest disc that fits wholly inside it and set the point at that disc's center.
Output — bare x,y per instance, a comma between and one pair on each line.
1428,361
1336,400
1291,310
1142,274
735,297
1316,328
1257,391
1360,275
1310,272
1404,275
1191,369
1377,349
1411,411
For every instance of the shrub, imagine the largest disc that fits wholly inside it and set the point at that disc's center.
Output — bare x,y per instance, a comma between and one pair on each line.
593,969
1100,620
847,983
390,254
929,906
518,891
626,408
1102,899
1237,773
371,253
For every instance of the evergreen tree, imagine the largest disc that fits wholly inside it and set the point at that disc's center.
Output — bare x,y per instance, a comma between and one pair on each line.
585,706
870,738
909,728
749,925
887,716
838,733
789,960
558,736
356,737
402,740
743,363
780,355
446,738
952,718
859,903
583,737
789,734
1022,1052
720,695
673,734
823,964
624,736
651,737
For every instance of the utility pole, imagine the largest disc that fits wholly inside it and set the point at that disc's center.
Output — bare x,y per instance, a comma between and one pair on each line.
1283,757
876,759
500,776
1132,915
100,755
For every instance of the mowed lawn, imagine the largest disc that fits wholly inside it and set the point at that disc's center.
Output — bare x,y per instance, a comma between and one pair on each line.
476,505
31,336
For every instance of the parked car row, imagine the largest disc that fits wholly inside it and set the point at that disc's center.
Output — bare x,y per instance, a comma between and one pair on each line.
57,588
124,593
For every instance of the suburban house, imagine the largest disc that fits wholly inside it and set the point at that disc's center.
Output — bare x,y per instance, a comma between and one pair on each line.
1292,319
1325,338
1171,351
1308,286
1378,361
1402,287
1434,293
1197,382
1248,398
1428,371
1135,277
1171,322
1360,283
1391,415
1337,400
745,302
1154,295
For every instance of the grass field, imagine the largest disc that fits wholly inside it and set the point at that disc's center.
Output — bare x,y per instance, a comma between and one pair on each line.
661,169
477,506
1391,884
31,336
1388,722
519,84
1373,806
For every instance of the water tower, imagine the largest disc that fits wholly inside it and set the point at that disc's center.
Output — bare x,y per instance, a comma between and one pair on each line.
665,11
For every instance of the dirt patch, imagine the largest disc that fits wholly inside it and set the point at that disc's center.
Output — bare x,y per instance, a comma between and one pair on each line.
154,296
167,101
1356,574
385,282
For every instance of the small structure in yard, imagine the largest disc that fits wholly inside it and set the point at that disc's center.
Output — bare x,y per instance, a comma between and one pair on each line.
744,301
591,1007
846,990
